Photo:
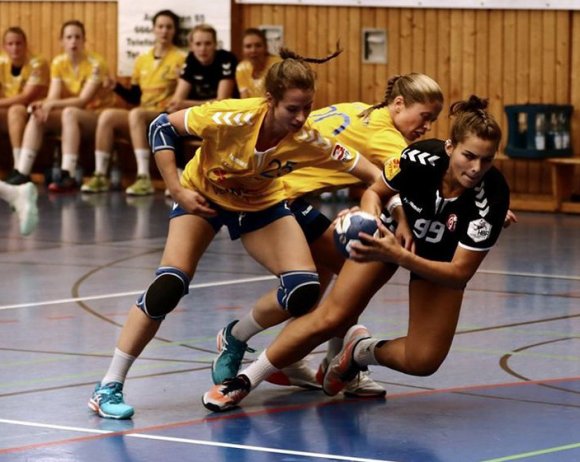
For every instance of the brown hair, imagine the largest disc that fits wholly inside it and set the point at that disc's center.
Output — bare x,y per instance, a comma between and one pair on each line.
472,118
15,30
73,22
258,33
413,87
202,28
171,15
293,72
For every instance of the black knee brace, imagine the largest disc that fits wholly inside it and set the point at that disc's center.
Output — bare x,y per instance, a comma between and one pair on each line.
298,291
164,293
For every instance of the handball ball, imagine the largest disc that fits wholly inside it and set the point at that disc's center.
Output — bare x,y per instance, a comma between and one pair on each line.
348,227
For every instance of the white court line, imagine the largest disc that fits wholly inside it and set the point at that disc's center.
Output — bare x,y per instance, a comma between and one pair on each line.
124,294
194,442
248,280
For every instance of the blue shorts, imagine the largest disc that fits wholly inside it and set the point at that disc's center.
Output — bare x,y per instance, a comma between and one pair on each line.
312,221
239,223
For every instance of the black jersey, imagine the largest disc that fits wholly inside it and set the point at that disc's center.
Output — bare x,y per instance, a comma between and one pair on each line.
472,220
204,80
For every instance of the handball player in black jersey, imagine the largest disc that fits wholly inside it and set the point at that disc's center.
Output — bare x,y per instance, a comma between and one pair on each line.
455,202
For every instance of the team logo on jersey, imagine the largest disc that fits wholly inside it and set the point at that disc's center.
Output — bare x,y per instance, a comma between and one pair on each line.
451,222
392,167
479,230
341,153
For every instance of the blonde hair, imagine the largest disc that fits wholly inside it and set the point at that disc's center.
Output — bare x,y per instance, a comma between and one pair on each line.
202,28
414,88
293,72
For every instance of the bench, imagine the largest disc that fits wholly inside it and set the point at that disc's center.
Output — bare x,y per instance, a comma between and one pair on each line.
563,169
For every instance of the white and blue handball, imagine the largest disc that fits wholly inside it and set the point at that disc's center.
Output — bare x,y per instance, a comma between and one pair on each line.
349,226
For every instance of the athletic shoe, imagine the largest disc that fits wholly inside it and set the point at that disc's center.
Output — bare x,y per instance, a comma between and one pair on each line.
107,401
226,395
141,187
25,205
362,386
231,353
97,183
342,369
65,184
299,374
17,178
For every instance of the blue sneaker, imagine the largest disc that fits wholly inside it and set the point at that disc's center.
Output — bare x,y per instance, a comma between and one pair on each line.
231,353
107,401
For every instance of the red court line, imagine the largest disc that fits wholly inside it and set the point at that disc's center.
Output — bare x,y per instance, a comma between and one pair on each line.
277,410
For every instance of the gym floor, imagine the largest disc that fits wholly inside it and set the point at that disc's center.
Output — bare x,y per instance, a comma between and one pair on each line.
509,390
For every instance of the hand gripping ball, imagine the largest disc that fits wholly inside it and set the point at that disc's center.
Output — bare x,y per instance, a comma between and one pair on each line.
348,227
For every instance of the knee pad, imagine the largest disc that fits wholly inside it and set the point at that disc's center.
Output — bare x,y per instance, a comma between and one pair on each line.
298,291
164,293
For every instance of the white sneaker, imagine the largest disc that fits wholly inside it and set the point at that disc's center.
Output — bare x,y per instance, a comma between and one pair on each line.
362,386
299,374
25,205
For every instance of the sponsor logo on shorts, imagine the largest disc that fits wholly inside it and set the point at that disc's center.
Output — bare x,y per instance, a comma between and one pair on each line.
451,222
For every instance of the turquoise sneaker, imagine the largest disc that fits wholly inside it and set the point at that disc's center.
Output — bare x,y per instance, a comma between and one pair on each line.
107,401
231,353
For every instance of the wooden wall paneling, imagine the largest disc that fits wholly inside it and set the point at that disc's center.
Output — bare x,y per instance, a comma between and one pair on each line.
481,56
468,54
381,73
563,56
442,49
508,80
354,54
322,49
406,41
535,89
495,68
419,43
345,72
367,74
548,56
523,83
455,62
47,30
335,68
291,26
395,38
430,43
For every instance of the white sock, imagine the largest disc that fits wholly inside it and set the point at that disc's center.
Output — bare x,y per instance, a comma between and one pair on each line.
142,156
246,328
259,370
119,367
16,155
26,161
333,348
102,162
364,352
69,163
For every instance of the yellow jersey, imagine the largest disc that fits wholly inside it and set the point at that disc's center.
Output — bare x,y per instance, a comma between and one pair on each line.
92,68
375,138
157,78
34,72
229,171
246,81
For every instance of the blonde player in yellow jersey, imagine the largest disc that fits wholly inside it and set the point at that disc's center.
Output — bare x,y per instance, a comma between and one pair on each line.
154,79
235,179
75,95
411,104
251,71
23,79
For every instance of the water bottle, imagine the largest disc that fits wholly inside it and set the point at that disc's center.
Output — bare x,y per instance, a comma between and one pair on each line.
540,139
116,174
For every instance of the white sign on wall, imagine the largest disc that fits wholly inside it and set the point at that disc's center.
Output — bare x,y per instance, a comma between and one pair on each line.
136,27
456,4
